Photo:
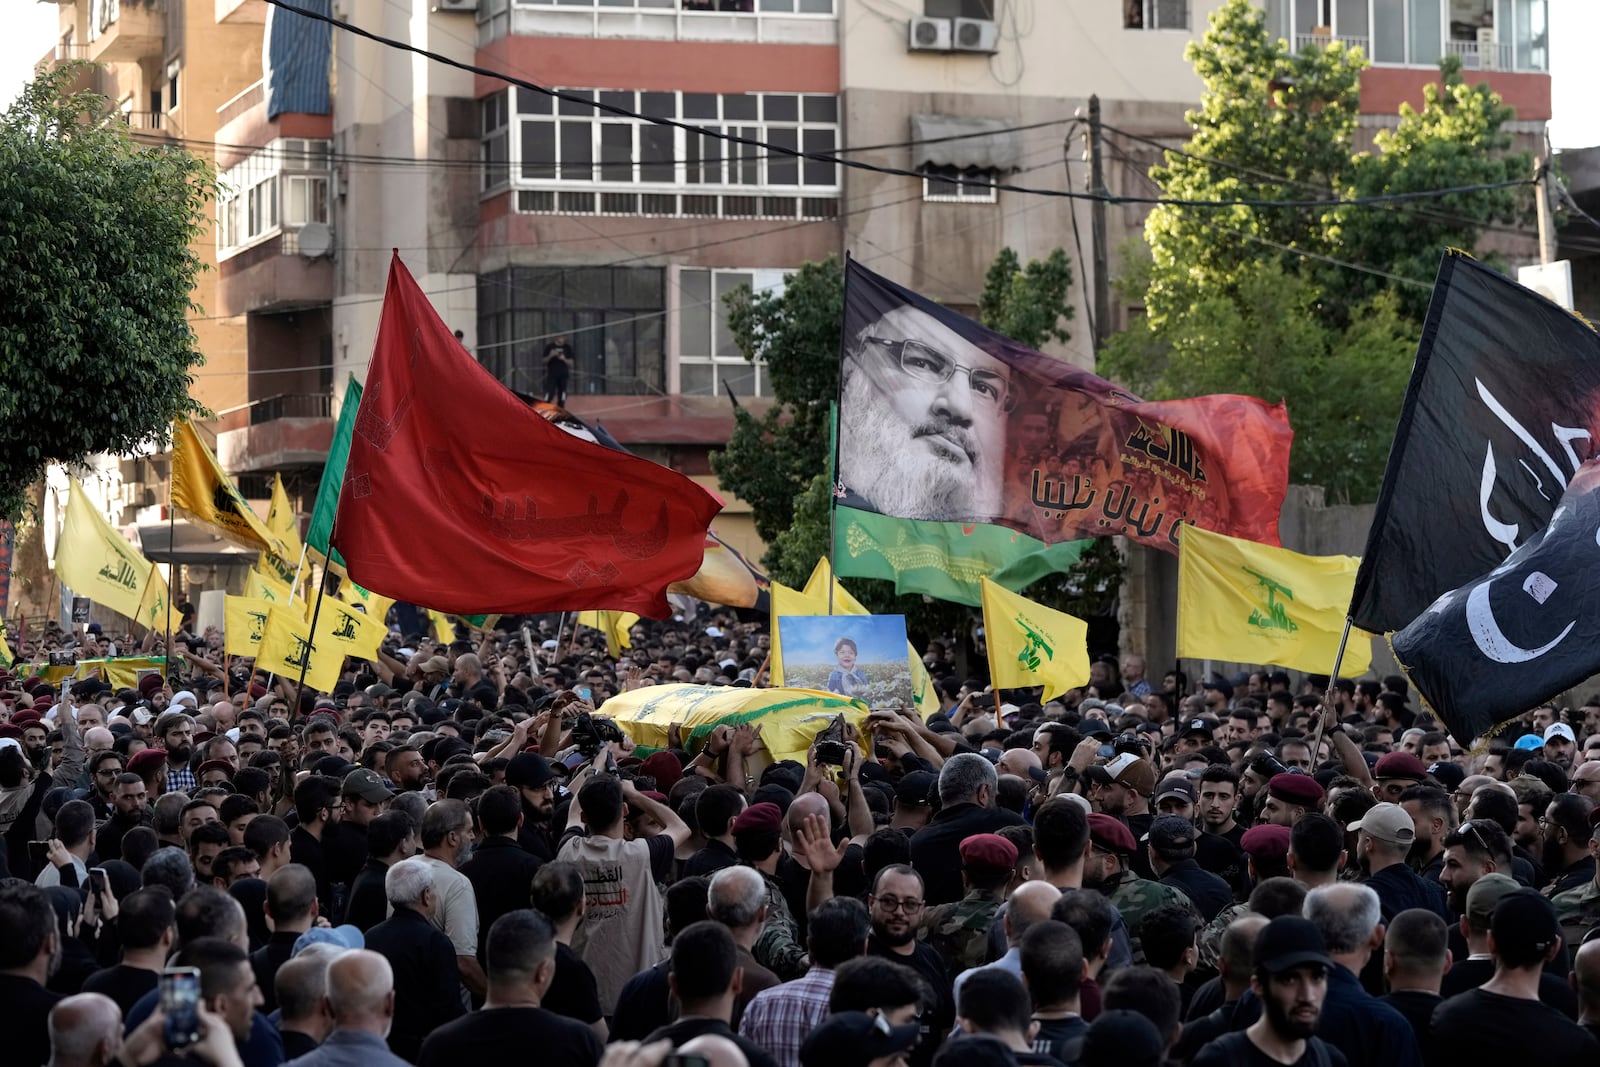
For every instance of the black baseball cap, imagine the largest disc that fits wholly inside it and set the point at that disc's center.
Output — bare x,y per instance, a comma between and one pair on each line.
916,788
1288,942
855,1039
529,769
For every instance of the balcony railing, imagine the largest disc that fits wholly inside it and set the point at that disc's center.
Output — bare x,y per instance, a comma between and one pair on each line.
1481,55
144,120
291,406
1321,40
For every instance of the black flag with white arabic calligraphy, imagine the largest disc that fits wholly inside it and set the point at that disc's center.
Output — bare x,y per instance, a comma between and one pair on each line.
1503,406
1517,636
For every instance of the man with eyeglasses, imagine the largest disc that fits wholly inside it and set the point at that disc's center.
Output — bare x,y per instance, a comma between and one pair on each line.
922,420
895,906
104,767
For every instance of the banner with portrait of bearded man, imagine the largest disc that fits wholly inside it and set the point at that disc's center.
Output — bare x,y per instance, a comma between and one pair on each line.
944,421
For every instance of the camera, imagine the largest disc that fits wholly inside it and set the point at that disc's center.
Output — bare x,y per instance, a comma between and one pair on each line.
589,734
830,743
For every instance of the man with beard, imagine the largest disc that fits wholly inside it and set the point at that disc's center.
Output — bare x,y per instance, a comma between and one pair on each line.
921,425
391,837
29,954
365,798
128,811
895,906
175,731
446,844
530,775
501,873
1291,979
407,769
1385,837
1433,815
1566,843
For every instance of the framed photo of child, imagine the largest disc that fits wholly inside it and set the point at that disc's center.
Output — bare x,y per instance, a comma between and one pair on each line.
862,657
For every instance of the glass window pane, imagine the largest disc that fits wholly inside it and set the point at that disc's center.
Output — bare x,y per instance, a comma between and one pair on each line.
572,107
738,106
726,282
659,105
694,312
821,108
532,103
588,287
693,169
700,106
656,151
696,379
777,5
538,150
782,169
817,172
1388,33
577,151
817,7
616,152
622,100
740,379
1350,18
638,288
781,107
748,162
1427,35
540,287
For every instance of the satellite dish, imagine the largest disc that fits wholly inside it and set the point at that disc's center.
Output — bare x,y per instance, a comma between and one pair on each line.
316,240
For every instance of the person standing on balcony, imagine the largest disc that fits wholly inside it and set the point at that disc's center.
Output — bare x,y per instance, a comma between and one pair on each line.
557,365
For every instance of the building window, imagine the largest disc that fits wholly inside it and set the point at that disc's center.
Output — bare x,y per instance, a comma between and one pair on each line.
1155,14
725,7
709,362
959,9
1482,34
495,132
614,319
307,200
571,146
284,184
971,185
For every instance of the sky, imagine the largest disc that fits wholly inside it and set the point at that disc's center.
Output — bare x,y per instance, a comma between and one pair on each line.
1575,31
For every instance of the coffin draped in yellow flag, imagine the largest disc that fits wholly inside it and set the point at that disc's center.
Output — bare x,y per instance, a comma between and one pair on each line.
789,718
286,649
1247,603
614,624
203,491
95,561
813,600
1030,644
245,622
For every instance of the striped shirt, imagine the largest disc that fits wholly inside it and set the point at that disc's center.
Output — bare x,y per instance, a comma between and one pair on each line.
780,1018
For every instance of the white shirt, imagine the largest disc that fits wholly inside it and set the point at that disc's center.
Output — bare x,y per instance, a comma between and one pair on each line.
51,876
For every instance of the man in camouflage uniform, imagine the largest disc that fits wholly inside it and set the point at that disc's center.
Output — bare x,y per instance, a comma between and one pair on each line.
1266,849
1106,870
1578,909
959,931
756,837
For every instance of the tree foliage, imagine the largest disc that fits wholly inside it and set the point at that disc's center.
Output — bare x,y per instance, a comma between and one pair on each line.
1028,304
96,270
1318,306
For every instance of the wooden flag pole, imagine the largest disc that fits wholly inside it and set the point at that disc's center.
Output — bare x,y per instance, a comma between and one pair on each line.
1327,698
316,611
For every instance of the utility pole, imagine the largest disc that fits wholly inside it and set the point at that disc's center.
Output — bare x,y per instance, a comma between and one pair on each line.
1541,199
1097,216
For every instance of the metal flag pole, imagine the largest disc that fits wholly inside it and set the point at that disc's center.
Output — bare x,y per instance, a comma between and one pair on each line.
299,569
173,570
311,646
1327,698
833,485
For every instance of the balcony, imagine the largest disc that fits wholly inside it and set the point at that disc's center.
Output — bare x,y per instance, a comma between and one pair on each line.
768,22
126,31
288,430
1486,35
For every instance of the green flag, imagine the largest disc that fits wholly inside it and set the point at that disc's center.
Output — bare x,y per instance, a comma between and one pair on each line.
943,559
333,474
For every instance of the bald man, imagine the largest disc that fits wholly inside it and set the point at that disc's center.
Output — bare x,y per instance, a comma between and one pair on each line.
718,1051
85,1031
794,877
1018,761
1585,979
361,998
98,739
1028,905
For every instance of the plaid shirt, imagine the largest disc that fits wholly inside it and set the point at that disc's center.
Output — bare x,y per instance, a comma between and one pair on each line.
780,1018
180,779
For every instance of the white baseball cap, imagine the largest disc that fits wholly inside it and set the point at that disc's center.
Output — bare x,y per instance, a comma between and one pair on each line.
1559,729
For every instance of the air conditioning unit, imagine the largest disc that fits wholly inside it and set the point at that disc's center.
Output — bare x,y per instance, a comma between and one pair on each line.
928,35
456,5
976,35
1488,54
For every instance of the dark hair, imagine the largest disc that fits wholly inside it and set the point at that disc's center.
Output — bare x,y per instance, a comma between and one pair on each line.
138,845
387,831
557,890
1277,896
704,959
265,833
1166,933
1569,811
291,892
236,805
1220,773
1497,807
1060,832
867,983
1052,962
312,795
518,942
1316,841
1431,799
1089,914
206,911
600,801
144,915
218,959
74,823
210,833
1483,839
838,931
1150,993
1417,940
885,847
717,807
28,918
993,999
229,858
499,809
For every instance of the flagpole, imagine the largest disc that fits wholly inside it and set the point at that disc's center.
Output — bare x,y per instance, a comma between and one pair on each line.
298,569
172,554
1327,698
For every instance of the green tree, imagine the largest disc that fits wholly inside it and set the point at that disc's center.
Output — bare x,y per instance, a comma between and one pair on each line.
1316,306
1028,304
96,270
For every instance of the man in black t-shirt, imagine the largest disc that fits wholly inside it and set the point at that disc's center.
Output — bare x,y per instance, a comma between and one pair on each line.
994,1003
521,958
1503,1019
1291,978
704,978
145,921
558,895
557,365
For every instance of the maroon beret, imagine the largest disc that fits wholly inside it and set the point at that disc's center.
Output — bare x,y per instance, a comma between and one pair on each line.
762,818
15,732
988,850
149,684
1111,834
664,768
1294,788
143,762
25,716
1269,841
1400,765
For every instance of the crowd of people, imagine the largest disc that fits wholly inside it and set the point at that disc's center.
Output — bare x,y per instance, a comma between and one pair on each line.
455,856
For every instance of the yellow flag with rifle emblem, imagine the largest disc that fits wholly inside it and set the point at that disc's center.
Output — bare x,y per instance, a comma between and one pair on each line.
153,605
266,587
1030,644
286,649
203,491
341,628
282,524
95,561
245,621
614,624
376,607
1247,603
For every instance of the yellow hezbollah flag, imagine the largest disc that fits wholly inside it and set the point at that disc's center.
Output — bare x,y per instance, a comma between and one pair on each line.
95,561
6,655
245,620
789,718
343,629
922,691
286,650
377,607
153,604
786,601
1247,603
201,490
614,624
1030,644
266,587
281,523
444,631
